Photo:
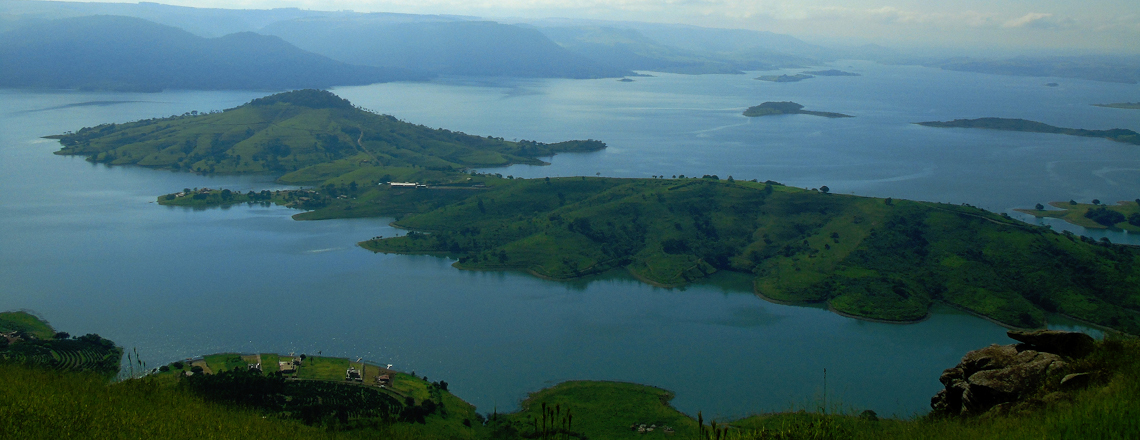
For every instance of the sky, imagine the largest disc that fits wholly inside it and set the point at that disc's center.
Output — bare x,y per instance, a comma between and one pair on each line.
1100,25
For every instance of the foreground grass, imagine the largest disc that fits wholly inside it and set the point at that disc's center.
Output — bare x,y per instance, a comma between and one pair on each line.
1109,409
37,403
44,404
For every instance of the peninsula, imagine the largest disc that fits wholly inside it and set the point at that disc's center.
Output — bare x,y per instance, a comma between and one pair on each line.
830,72
787,108
784,78
1006,124
865,257
1095,215
1122,105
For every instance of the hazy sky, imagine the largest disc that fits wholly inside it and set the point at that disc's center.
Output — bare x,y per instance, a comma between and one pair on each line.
1112,25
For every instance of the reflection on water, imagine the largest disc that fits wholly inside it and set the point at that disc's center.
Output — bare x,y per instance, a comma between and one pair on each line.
86,246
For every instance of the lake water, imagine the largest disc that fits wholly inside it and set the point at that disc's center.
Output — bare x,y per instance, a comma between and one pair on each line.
84,245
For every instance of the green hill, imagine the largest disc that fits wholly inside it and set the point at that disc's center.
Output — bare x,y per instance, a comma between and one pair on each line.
312,134
867,257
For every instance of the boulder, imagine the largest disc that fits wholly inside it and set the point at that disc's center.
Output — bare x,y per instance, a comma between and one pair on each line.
1000,377
1068,344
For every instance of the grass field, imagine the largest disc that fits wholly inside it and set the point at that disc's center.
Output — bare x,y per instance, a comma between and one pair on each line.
26,322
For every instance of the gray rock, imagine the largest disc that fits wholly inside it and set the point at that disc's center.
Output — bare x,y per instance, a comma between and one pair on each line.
993,376
1069,344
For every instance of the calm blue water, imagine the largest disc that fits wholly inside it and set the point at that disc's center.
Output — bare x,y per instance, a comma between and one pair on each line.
83,245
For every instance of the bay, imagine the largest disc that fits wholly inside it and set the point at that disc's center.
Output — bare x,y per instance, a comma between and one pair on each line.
84,245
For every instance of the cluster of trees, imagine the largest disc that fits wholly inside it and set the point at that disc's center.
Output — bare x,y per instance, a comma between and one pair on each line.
1105,216
312,402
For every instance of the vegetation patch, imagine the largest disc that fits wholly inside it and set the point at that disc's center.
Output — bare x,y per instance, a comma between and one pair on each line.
1122,215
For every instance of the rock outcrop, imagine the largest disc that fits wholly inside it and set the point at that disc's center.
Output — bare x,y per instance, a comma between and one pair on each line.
1003,375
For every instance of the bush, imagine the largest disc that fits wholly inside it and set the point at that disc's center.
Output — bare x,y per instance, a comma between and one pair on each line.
1104,216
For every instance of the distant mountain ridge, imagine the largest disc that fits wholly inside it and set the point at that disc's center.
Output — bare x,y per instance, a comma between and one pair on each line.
470,48
132,54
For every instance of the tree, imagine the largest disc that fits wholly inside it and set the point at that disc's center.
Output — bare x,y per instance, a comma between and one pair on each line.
889,201
1039,207
1096,201
824,189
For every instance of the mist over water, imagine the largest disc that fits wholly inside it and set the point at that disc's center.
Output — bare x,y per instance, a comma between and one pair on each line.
84,245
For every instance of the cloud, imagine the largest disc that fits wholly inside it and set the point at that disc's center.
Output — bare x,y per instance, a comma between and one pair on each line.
1040,20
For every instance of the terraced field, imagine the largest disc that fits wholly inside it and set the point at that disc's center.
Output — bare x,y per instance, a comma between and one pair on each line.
86,353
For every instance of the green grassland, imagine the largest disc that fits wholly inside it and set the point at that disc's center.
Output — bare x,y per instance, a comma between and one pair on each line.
1086,214
1006,124
311,135
598,410
27,323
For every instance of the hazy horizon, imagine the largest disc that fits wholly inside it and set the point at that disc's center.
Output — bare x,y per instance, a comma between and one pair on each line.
1006,27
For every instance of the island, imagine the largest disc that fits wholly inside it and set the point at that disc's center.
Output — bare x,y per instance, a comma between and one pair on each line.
306,136
865,257
625,80
1006,124
830,72
787,108
784,78
1121,105
1095,215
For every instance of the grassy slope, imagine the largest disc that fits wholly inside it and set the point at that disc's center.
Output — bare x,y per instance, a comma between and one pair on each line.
863,256
1075,214
42,404
313,135
26,322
